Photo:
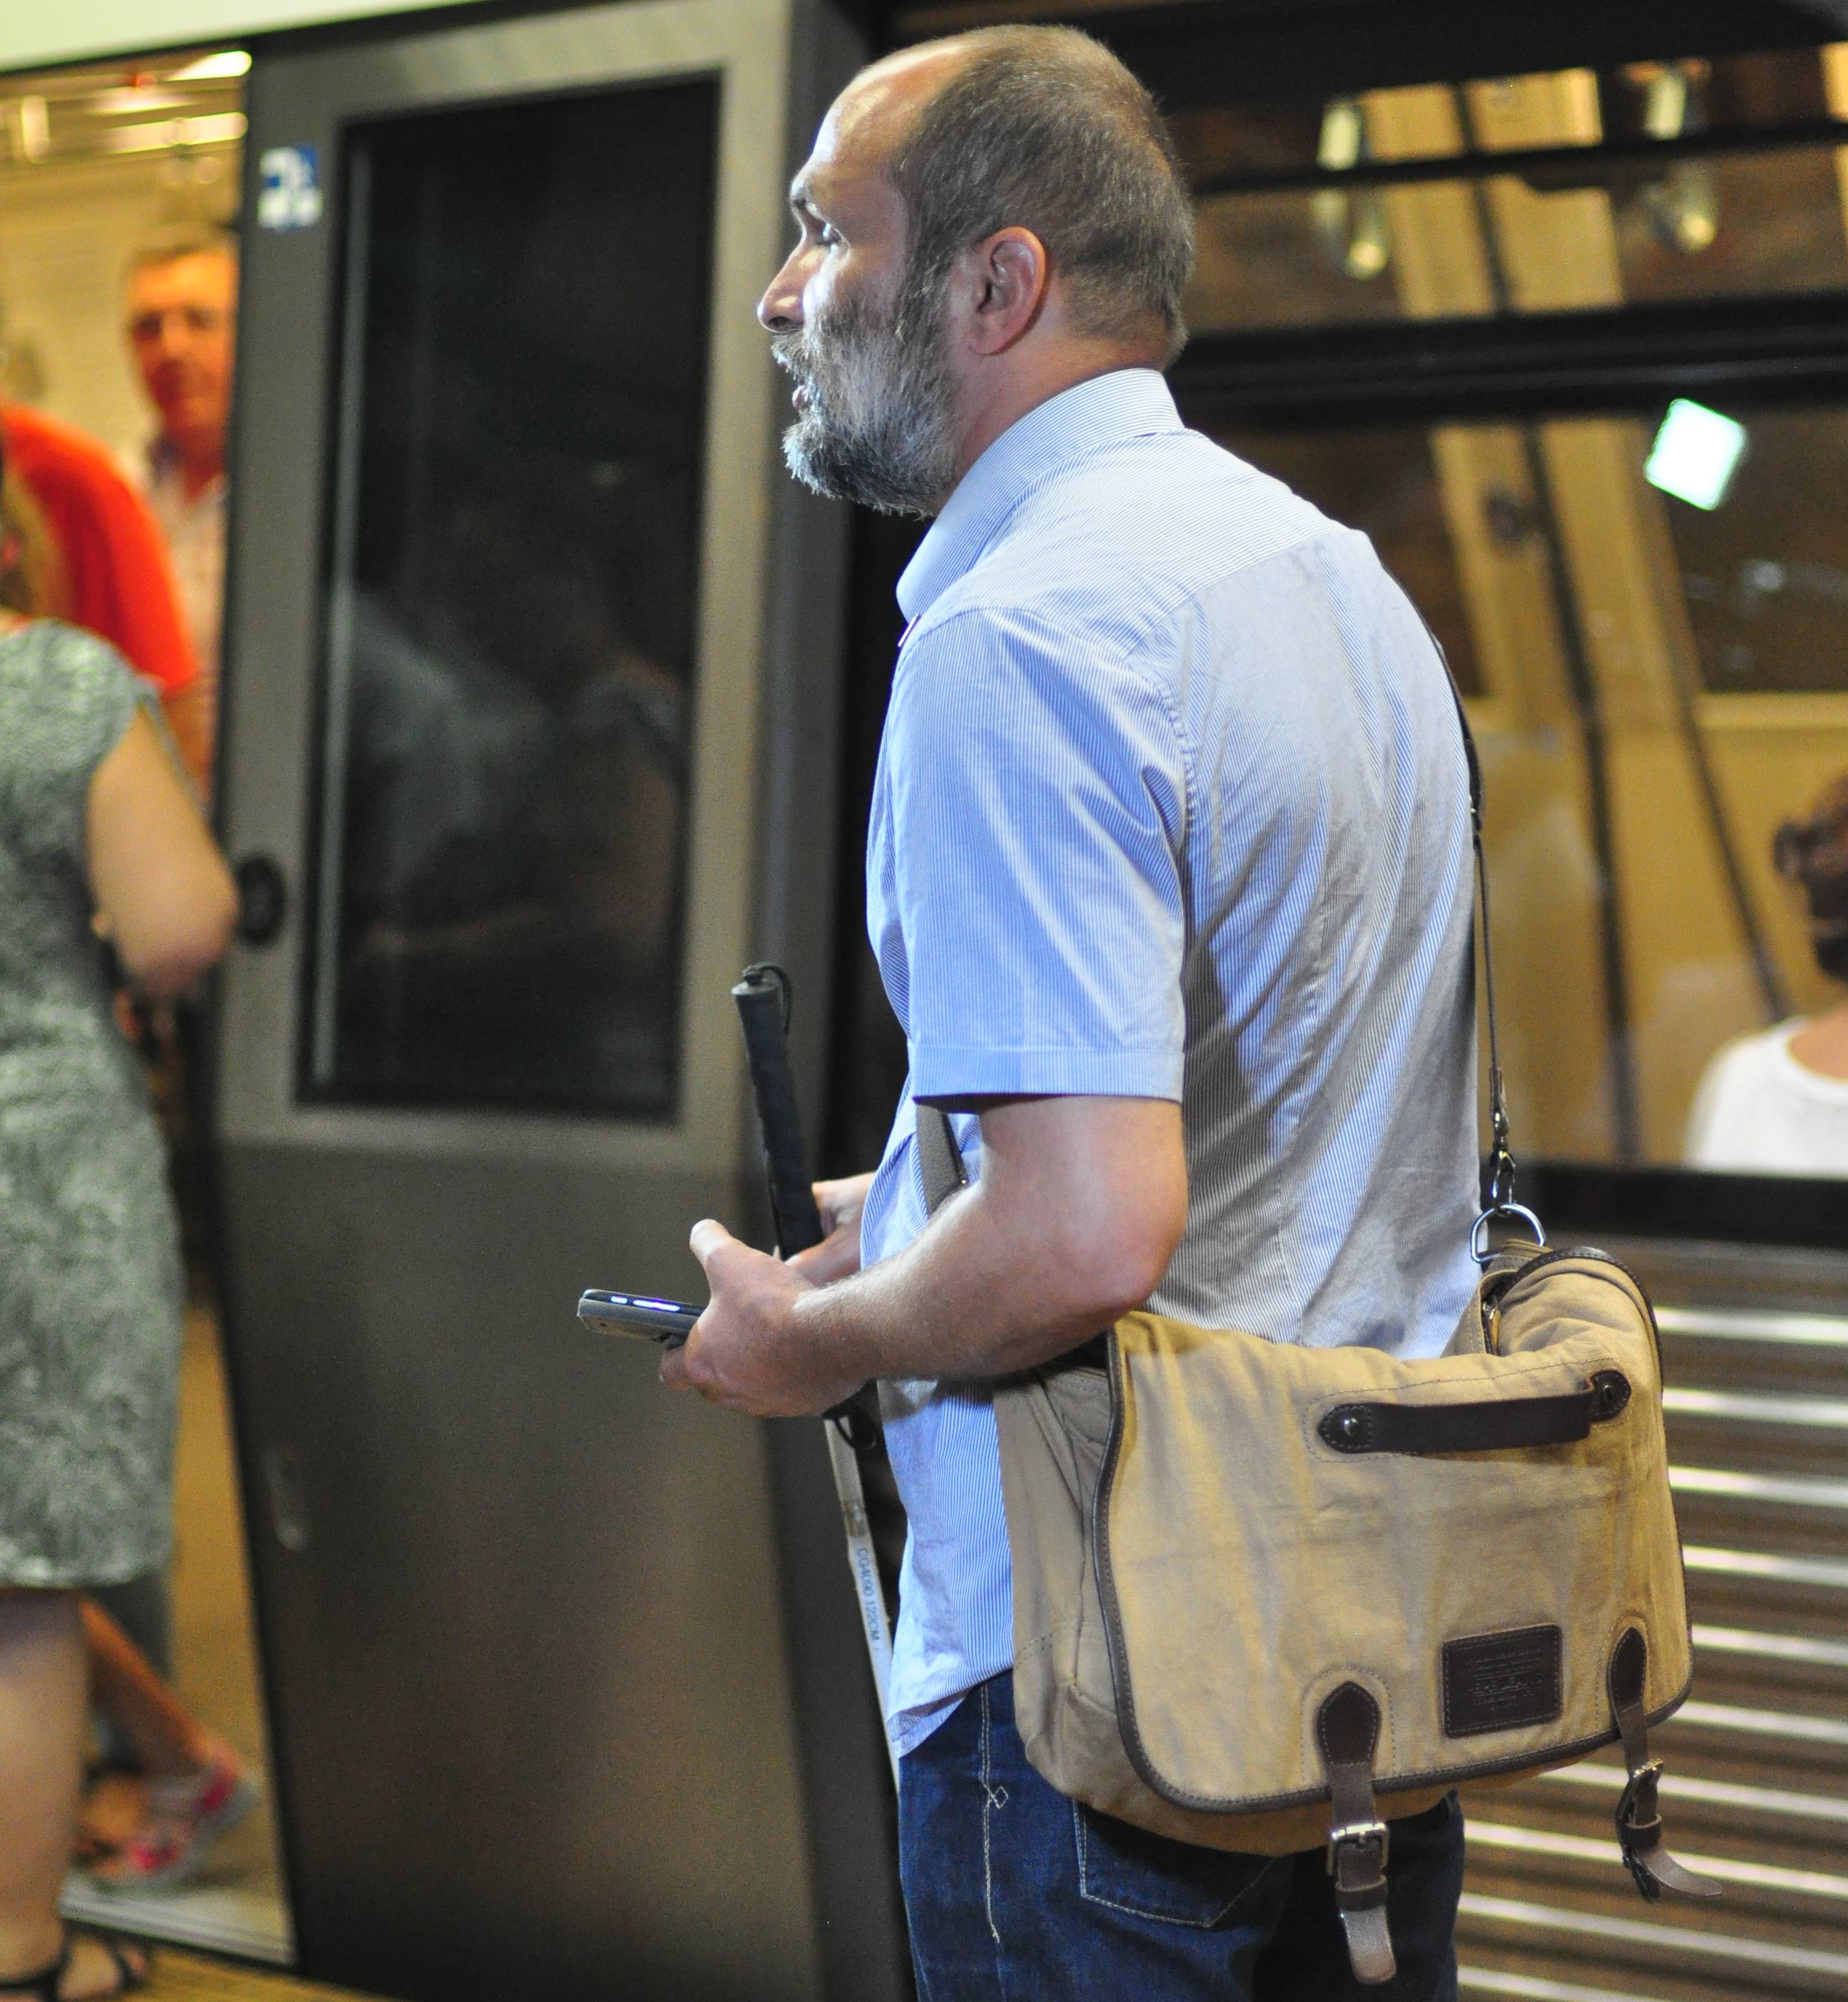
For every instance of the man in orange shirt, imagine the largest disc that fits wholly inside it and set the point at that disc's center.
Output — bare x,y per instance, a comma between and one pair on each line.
111,573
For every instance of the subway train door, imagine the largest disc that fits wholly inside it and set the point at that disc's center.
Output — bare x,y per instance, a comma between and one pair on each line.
527,754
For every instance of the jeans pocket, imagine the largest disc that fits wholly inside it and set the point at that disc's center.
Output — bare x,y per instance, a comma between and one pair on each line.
1153,1877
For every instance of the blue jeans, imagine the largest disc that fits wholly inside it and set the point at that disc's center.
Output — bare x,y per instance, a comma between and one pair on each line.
1016,1894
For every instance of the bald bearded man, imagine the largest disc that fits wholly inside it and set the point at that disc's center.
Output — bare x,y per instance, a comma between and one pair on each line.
1168,877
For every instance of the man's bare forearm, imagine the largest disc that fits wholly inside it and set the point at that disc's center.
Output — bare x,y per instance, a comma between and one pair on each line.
966,1298
1080,1205
1072,1224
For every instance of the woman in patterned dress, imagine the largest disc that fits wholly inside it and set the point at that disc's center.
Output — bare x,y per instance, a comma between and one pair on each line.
100,840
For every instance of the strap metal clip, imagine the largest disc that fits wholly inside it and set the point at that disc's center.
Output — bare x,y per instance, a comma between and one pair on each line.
1480,1249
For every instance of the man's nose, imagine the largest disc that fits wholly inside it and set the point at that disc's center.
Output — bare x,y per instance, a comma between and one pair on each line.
779,310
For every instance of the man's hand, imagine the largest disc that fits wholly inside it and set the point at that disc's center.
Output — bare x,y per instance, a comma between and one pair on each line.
749,1351
837,1257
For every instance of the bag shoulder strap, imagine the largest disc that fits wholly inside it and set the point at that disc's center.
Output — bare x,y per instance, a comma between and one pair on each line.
1501,1160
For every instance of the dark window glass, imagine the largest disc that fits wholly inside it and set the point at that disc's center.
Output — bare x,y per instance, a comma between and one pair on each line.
512,630
1765,571
1728,96
1550,193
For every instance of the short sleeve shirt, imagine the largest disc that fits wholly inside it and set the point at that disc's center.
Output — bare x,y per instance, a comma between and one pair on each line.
1171,802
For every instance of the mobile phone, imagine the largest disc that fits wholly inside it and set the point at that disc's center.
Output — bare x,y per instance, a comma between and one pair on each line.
668,1322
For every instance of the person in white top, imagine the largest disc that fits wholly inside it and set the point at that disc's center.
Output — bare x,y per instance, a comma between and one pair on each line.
1776,1102
181,312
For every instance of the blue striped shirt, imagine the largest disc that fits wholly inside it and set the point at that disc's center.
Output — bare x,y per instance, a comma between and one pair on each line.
1171,803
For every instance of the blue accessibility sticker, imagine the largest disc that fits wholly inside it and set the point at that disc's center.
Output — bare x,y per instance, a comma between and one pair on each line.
290,197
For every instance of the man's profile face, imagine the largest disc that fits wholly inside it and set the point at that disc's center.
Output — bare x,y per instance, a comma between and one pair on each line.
181,318
874,399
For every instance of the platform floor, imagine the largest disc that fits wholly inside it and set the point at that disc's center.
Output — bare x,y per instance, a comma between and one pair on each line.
184,1977
236,1905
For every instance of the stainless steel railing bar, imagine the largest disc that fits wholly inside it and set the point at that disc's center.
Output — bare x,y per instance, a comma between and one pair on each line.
1531,1988
1754,1953
1710,1793
1761,1723
1775,1646
1785,1491
1817,1414
1727,1869
1828,1573
1755,1324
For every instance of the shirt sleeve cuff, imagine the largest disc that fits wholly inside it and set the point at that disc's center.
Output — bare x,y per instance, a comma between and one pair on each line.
949,1073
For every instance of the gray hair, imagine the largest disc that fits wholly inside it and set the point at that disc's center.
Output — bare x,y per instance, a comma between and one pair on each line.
199,240
1043,128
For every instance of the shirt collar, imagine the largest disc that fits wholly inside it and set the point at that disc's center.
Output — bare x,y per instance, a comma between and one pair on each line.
1127,403
164,470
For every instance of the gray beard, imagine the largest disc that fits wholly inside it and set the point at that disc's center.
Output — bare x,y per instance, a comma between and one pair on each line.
879,428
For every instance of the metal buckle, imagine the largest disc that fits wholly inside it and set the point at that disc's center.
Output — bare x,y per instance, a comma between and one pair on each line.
1478,1235
1356,1833
1644,1777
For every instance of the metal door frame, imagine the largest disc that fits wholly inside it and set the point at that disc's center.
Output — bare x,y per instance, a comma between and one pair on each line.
761,812
272,744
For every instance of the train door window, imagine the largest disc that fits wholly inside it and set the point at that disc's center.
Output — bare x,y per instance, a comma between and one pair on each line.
1576,188
510,646
1644,593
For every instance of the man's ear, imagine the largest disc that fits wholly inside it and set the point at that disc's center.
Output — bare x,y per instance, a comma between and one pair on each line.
1002,283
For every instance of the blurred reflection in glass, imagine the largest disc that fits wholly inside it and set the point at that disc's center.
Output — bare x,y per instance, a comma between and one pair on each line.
1777,1103
512,629
514,808
1393,205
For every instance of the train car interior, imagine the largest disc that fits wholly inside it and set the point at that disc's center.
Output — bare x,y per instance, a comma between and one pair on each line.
102,160
548,703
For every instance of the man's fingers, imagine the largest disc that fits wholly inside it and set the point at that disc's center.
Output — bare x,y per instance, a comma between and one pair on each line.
837,1257
677,1375
706,1236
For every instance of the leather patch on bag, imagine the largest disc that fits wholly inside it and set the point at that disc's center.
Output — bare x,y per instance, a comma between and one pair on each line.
1497,1681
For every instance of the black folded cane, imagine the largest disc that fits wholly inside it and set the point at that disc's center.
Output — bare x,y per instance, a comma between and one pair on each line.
763,1000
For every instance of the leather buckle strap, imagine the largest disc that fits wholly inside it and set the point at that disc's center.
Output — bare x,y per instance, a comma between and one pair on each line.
1493,1425
1640,1822
1652,1869
1347,1729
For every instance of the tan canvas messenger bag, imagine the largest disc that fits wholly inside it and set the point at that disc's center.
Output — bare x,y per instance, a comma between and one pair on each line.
1268,1596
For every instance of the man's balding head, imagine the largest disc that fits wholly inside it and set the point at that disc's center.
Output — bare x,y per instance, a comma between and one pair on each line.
869,120
1043,129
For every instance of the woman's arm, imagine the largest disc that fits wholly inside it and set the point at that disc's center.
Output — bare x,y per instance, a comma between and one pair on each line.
164,895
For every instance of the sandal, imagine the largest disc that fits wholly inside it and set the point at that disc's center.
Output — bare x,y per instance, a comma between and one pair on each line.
43,1987
185,1818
